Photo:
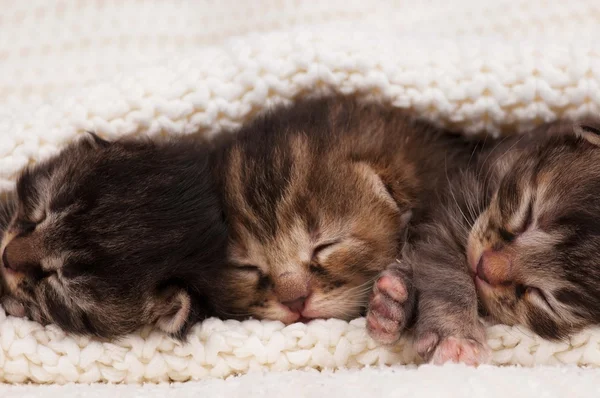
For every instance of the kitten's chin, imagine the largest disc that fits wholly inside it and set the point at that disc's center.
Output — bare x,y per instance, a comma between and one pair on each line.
321,308
326,308
279,312
486,294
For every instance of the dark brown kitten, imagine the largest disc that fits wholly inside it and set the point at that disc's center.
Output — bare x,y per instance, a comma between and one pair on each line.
519,229
109,236
317,196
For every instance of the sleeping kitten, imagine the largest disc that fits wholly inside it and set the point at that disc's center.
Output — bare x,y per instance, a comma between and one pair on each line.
108,236
519,230
317,196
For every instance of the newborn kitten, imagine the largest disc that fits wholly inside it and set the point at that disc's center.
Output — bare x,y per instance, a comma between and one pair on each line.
317,196
108,236
518,230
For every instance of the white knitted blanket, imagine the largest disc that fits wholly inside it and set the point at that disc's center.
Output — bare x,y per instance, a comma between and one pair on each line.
157,67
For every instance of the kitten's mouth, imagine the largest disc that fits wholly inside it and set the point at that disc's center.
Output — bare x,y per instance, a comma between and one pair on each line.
303,316
6,272
296,317
309,312
480,283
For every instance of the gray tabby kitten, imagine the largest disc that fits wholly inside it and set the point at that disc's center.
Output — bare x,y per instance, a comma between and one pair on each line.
518,233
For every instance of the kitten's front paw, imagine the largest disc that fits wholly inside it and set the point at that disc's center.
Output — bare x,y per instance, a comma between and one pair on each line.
13,307
452,349
390,306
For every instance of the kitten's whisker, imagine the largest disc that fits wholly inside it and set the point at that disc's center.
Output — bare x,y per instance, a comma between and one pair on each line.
452,193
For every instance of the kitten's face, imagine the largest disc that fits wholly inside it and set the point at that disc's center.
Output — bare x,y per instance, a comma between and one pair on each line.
534,250
105,237
309,232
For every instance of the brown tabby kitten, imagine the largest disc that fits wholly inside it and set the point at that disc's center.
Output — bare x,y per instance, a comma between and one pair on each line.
108,236
519,230
317,196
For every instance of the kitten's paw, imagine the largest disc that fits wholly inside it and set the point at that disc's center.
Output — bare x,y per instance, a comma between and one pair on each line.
389,307
452,349
14,307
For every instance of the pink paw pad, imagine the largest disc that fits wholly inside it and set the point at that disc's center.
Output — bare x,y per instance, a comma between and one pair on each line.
383,330
393,286
14,307
386,317
460,350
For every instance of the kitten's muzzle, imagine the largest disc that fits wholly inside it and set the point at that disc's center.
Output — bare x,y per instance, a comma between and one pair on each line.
20,256
6,263
494,268
296,305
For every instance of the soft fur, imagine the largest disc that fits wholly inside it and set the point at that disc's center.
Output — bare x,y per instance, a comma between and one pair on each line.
109,236
317,197
516,231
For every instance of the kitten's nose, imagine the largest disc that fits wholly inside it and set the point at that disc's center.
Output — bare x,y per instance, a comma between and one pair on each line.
494,268
296,305
5,261
292,289
20,256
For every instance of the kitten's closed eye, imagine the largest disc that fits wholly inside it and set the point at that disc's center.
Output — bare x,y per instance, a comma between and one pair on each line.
249,268
25,226
510,235
522,290
323,246
539,293
506,235
28,223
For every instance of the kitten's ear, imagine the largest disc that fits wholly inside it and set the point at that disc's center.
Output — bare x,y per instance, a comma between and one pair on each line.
378,182
386,186
93,141
589,130
173,307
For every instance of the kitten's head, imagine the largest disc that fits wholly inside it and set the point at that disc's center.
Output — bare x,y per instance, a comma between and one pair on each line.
309,229
107,237
534,250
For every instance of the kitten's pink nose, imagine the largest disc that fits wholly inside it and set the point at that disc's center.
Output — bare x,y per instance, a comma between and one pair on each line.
494,268
296,305
292,289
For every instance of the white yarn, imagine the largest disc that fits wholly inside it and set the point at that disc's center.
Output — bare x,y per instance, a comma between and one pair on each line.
216,348
135,67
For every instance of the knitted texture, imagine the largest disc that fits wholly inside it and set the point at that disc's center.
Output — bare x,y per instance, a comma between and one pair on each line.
148,68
